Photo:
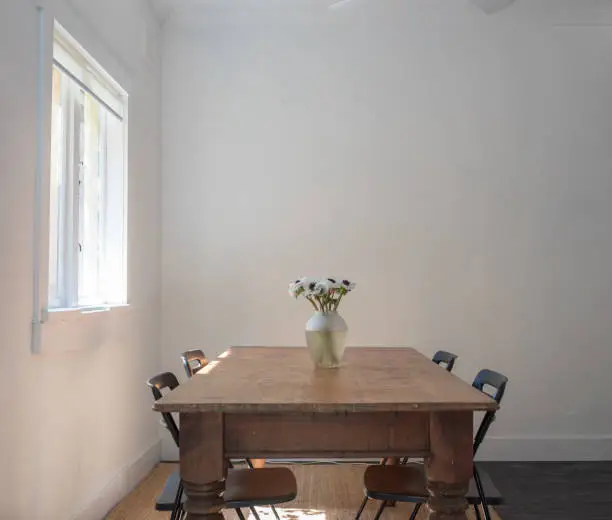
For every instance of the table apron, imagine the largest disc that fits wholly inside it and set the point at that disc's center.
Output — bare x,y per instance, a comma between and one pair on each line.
341,435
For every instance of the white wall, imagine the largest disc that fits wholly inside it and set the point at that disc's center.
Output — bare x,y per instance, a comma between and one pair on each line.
456,165
77,428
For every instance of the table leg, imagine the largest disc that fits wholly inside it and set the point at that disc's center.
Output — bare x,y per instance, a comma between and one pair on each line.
202,467
449,468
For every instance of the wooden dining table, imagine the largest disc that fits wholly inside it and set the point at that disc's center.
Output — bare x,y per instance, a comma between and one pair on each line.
271,402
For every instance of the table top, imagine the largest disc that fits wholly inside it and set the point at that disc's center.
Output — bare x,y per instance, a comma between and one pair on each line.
284,379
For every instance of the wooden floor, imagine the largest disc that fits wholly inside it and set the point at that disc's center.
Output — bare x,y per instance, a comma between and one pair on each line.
326,492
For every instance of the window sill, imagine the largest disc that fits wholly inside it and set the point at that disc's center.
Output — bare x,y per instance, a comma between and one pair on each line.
82,328
75,313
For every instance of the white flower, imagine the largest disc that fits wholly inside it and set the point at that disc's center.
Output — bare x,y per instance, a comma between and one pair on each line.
296,288
314,287
333,287
332,283
322,287
305,281
348,285
324,293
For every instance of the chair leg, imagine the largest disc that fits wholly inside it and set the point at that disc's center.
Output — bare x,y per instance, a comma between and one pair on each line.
481,494
177,507
254,511
275,512
363,504
415,511
383,504
239,513
477,512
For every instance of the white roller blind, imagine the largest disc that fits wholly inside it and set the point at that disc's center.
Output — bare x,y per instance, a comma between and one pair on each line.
87,72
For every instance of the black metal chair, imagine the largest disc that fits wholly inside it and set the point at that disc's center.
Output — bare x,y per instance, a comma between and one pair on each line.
172,495
193,360
243,487
445,358
407,482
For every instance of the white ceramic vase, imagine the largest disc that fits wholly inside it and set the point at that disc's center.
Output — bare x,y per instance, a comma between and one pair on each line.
326,338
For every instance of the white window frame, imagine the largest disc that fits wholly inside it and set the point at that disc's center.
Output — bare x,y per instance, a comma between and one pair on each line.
82,76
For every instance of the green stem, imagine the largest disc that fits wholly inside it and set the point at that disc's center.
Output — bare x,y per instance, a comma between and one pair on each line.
338,303
318,298
312,303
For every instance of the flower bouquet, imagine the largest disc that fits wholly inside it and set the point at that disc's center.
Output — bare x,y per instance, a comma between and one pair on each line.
326,330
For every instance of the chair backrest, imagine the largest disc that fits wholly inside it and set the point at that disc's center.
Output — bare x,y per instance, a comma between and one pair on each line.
446,358
166,380
193,360
494,385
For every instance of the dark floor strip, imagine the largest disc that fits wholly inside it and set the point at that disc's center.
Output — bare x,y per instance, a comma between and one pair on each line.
553,490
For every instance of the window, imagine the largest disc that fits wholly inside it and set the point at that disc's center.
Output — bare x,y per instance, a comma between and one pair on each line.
88,181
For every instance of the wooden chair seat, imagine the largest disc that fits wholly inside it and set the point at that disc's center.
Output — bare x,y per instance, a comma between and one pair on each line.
406,483
243,488
259,487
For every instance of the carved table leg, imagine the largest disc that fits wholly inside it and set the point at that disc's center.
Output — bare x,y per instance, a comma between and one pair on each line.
202,464
449,468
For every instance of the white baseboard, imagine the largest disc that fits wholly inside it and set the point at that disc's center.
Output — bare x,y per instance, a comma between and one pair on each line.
547,448
124,482
169,450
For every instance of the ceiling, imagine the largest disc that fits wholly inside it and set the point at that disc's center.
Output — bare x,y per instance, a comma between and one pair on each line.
555,12
169,8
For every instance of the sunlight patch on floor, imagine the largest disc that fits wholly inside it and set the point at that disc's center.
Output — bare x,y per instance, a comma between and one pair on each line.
289,513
